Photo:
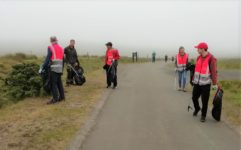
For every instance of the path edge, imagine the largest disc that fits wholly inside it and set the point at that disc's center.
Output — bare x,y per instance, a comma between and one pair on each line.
77,142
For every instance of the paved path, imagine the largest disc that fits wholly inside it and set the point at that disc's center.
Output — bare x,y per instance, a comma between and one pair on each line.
146,113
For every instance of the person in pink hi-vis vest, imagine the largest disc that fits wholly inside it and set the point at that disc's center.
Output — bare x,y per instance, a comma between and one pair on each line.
181,64
54,61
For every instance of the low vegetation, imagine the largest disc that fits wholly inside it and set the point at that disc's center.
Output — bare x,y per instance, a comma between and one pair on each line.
30,123
229,64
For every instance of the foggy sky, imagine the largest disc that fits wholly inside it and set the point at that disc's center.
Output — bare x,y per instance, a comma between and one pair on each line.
143,26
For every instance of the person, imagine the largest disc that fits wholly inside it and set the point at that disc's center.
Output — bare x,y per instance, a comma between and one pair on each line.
111,62
54,60
205,73
71,59
181,63
173,58
166,58
153,57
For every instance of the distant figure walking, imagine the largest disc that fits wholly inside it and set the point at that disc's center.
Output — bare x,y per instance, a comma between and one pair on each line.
154,57
166,58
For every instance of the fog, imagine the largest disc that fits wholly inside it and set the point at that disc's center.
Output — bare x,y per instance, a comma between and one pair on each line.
143,26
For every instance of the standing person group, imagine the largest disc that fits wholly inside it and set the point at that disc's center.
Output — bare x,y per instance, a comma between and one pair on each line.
204,75
111,62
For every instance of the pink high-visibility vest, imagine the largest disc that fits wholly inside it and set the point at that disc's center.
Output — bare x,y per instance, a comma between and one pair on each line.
181,62
202,74
57,58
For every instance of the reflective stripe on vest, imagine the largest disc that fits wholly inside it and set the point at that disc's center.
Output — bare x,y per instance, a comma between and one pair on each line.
110,57
202,75
57,58
181,62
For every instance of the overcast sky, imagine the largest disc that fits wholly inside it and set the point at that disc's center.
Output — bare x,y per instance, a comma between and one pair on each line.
143,26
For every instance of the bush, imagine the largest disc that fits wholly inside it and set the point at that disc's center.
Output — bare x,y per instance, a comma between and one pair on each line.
23,81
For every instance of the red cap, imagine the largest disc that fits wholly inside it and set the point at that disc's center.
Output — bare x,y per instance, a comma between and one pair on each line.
202,45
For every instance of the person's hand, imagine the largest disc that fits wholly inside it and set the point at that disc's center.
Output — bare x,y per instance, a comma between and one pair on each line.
40,70
76,64
215,87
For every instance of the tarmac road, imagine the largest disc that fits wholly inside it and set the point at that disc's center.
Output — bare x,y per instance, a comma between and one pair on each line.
146,113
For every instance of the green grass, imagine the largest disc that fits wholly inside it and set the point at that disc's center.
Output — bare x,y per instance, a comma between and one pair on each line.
229,64
232,92
31,124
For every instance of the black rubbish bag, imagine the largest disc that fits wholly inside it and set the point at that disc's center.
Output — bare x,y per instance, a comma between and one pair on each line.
79,77
217,105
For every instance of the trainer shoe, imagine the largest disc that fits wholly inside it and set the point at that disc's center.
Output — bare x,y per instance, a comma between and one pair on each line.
203,119
196,112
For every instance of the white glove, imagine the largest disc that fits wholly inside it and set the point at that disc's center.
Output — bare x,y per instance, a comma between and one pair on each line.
40,70
215,87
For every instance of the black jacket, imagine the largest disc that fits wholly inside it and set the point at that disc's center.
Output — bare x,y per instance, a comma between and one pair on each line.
71,55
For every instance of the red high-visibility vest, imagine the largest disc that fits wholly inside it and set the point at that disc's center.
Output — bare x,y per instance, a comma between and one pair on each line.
202,74
181,62
57,58
109,57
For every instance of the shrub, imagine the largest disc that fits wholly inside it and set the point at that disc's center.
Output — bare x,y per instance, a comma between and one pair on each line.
23,81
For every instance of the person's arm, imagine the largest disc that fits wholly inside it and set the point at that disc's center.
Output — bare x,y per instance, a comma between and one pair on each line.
47,59
213,69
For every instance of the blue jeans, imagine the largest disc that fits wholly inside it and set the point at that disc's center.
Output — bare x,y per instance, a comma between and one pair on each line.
182,75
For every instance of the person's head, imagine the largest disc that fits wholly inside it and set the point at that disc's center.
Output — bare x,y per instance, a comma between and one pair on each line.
202,48
72,43
53,39
109,45
181,50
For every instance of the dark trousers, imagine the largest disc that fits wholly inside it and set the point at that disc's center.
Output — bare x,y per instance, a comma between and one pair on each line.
111,74
70,75
57,86
204,92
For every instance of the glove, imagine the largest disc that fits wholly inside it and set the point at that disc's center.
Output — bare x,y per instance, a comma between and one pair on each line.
214,87
40,70
76,64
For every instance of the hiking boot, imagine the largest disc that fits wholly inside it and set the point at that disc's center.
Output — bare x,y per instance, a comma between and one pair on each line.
203,119
184,90
196,112
114,87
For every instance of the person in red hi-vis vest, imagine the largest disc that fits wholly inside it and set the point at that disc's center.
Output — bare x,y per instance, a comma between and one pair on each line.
111,62
181,64
54,60
205,74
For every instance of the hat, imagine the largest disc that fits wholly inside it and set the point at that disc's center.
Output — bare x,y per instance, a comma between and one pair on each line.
202,45
108,44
